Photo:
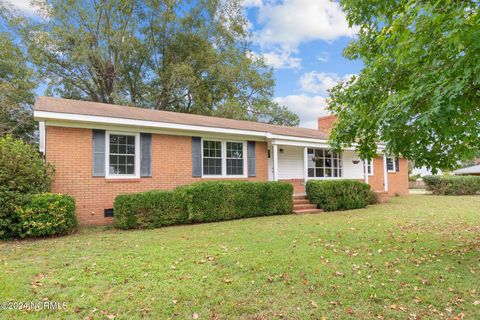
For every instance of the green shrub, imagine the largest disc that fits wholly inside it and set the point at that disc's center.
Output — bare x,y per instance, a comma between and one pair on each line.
22,169
22,172
46,214
151,209
226,200
339,194
453,185
202,202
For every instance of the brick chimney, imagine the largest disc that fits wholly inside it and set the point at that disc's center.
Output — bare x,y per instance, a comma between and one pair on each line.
326,123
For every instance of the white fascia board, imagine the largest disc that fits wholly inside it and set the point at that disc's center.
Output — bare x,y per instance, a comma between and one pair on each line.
113,123
46,115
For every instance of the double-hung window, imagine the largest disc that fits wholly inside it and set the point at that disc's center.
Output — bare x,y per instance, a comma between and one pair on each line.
234,158
324,163
212,158
122,155
392,164
223,158
369,167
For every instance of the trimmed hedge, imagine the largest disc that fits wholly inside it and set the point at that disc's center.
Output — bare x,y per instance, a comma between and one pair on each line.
150,209
453,185
226,200
46,214
339,194
203,202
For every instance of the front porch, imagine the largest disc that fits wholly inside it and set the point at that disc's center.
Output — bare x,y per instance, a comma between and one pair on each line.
299,162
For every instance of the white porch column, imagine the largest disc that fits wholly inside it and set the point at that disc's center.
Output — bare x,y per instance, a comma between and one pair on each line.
41,137
275,162
365,170
305,164
385,173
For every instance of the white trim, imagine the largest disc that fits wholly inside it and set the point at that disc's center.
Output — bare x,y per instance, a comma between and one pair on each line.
365,170
385,173
224,174
41,136
305,164
371,167
275,162
136,174
89,121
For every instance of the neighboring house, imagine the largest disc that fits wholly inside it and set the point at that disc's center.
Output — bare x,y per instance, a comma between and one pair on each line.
424,171
101,150
468,171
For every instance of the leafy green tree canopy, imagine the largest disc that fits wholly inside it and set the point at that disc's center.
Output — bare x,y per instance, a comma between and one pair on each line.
419,91
185,56
17,85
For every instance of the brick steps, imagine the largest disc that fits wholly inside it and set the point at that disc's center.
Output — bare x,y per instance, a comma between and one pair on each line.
301,205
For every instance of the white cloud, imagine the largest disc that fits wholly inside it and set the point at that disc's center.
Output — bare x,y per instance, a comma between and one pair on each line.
320,82
252,3
292,22
308,108
282,60
283,25
25,6
323,56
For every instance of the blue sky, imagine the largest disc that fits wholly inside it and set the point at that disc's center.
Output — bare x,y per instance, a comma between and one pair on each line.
303,41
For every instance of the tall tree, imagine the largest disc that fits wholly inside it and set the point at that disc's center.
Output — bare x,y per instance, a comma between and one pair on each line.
17,84
419,90
162,54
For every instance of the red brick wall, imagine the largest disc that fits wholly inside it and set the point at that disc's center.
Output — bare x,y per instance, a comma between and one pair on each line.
70,150
326,123
397,181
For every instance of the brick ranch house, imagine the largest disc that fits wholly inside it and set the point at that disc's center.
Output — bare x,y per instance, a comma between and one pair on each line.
101,150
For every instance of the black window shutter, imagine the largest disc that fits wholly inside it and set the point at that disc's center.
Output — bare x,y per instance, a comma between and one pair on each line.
98,139
397,165
196,157
145,154
251,157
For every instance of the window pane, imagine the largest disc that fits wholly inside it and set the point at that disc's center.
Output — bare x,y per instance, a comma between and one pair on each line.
328,172
234,166
235,150
310,151
311,172
390,164
319,173
119,162
328,163
130,149
212,166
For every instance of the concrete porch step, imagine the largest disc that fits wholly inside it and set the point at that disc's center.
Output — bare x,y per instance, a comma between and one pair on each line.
301,205
300,201
306,211
304,206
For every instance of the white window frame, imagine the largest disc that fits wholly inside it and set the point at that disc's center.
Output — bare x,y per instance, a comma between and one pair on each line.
394,164
340,158
224,159
370,164
136,174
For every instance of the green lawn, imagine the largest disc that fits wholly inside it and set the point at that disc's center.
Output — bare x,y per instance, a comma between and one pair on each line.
417,256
